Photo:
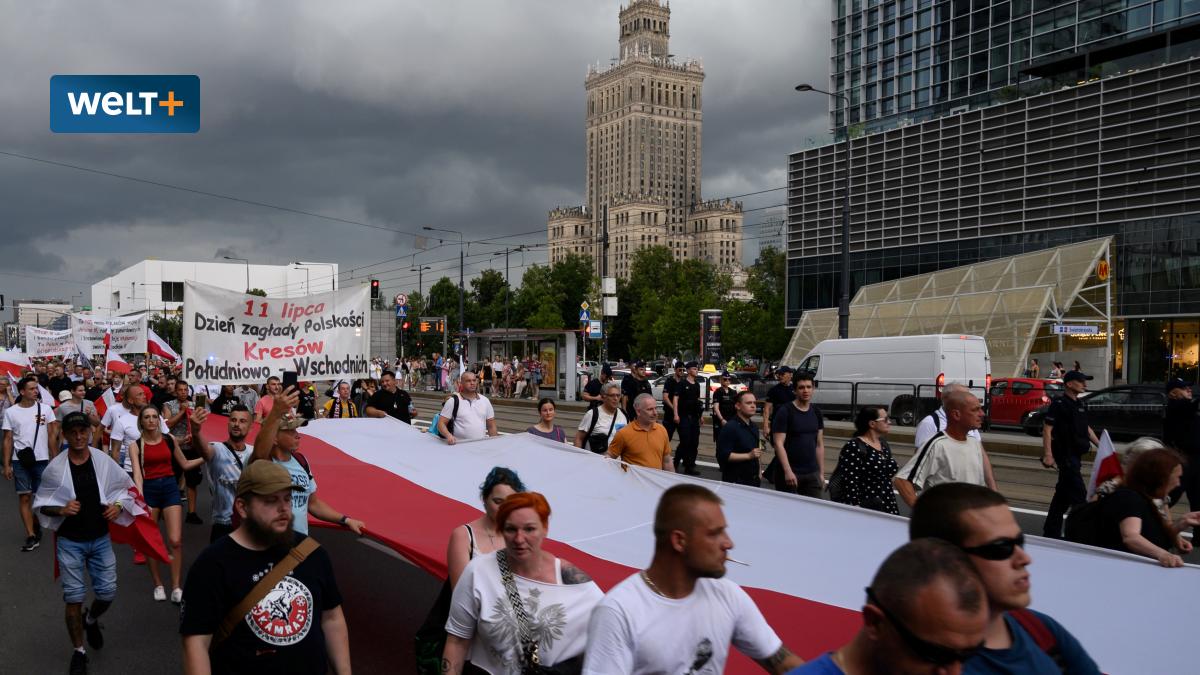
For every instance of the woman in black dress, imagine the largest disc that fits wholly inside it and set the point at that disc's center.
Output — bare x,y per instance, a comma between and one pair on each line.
865,466
1130,517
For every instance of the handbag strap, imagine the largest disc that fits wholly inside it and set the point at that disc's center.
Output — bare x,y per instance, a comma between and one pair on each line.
281,569
529,648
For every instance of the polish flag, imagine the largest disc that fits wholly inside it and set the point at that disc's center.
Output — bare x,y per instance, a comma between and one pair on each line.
159,347
14,363
143,533
1107,464
107,400
117,364
107,338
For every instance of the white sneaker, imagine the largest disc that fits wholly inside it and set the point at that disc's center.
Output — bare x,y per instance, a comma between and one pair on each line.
160,594
177,596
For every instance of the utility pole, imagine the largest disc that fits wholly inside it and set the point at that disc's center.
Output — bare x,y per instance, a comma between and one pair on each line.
461,260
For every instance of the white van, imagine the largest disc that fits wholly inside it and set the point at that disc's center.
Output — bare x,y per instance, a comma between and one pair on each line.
903,373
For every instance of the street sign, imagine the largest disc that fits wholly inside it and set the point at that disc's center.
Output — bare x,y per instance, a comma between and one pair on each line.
595,329
584,315
1075,329
401,299
608,285
584,305
610,306
431,324
401,311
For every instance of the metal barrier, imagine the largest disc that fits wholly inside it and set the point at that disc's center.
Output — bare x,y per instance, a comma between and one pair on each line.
907,403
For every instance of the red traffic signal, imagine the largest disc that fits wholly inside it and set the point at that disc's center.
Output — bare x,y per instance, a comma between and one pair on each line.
404,325
374,289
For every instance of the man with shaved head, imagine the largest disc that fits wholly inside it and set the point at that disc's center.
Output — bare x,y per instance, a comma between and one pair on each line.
952,455
925,612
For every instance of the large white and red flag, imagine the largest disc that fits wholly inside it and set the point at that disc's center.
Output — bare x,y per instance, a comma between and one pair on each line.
1107,464
159,347
14,363
808,559
133,526
117,364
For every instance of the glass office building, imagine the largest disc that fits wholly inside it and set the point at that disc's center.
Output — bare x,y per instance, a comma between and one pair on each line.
1091,132
905,61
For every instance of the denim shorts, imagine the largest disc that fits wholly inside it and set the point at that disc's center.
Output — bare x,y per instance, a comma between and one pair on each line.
27,482
97,556
160,493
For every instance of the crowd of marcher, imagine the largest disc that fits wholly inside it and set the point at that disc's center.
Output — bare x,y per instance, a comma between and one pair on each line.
263,596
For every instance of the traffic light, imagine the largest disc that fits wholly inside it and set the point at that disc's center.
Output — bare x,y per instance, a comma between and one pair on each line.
404,325
374,289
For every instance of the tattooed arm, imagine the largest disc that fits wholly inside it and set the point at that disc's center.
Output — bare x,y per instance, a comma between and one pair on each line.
780,662
573,575
454,655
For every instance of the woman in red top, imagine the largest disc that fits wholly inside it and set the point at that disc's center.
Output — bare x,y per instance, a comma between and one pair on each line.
150,458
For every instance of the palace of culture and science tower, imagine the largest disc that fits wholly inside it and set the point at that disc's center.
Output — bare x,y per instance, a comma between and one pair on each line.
644,141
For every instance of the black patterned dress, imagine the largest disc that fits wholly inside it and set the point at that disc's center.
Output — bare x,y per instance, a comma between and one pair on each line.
867,475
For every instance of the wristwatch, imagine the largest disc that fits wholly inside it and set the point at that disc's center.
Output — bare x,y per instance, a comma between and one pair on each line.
343,519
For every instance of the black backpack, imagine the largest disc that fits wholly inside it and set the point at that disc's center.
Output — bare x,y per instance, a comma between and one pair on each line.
1083,523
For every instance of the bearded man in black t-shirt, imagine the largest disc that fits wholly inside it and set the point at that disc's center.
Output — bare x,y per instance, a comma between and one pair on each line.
390,400
297,627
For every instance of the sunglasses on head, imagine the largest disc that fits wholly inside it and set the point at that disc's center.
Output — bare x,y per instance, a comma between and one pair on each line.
931,652
999,549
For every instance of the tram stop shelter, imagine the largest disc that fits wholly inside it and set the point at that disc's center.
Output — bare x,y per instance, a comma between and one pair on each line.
555,348
1015,303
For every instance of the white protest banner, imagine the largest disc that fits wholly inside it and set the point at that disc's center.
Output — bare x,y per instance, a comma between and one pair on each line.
128,333
45,342
234,338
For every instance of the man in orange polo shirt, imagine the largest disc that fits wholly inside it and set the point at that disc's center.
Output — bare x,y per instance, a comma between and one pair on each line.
644,442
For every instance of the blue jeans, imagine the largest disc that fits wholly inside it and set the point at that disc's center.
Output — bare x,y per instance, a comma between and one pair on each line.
97,556
27,482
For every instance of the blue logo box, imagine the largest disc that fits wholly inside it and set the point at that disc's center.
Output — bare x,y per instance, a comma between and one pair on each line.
125,104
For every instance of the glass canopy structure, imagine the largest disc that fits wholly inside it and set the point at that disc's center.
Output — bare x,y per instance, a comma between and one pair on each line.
1010,302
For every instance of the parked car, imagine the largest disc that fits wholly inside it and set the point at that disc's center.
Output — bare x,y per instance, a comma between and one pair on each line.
903,373
709,382
1126,411
1012,398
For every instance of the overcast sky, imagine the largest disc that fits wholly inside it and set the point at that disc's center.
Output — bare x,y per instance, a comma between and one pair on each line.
461,114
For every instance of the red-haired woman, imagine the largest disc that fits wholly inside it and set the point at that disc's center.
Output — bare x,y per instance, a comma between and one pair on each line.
1130,517
520,605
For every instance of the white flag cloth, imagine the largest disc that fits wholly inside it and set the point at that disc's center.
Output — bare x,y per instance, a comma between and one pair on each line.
58,488
1106,465
14,363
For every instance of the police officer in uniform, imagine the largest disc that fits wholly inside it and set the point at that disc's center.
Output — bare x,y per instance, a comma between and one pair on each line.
687,418
777,397
1066,437
723,410
670,390
634,385
1181,431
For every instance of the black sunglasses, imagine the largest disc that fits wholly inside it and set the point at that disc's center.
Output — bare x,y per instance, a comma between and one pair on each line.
936,654
1000,549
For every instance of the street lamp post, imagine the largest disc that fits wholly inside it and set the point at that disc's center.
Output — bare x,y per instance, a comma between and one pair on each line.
247,269
419,271
844,301
460,273
507,292
332,274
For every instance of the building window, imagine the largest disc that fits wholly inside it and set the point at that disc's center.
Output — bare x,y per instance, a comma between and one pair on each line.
172,291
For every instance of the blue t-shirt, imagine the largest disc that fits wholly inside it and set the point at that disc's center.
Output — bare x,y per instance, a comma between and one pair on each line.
820,666
299,499
1024,656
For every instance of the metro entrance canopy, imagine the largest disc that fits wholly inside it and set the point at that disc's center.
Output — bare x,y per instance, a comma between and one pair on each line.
1007,301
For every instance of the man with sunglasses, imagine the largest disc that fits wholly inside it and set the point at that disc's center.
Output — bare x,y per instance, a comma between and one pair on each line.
1017,640
926,612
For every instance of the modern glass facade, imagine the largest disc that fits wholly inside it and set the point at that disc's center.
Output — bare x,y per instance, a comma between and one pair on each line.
899,61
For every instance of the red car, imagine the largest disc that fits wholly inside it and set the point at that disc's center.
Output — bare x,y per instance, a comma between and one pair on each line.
1013,397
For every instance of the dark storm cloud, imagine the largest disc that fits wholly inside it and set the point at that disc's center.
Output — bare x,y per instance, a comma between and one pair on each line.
461,114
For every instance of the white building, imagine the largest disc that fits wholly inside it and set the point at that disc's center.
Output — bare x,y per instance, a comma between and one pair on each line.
50,314
157,285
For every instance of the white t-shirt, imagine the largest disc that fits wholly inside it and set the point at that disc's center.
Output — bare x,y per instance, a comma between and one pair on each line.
928,426
473,415
635,630
946,461
25,423
125,431
223,474
604,422
481,612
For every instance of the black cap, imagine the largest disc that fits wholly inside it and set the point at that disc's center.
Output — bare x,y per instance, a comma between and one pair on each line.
639,364
74,420
783,369
692,364
725,375
678,364
1177,383
606,370
1075,375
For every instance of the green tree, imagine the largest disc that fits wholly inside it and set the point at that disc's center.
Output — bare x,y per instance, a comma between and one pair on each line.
169,328
443,301
659,307
487,300
257,291
536,304
756,328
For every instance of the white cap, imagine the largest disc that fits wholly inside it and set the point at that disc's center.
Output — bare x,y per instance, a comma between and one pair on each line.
64,395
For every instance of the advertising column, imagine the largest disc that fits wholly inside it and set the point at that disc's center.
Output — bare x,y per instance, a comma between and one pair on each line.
710,337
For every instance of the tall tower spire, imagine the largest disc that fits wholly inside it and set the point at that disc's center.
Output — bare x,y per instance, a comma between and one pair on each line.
645,29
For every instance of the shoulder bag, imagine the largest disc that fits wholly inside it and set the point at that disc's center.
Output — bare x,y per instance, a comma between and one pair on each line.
598,443
528,647
25,456
281,569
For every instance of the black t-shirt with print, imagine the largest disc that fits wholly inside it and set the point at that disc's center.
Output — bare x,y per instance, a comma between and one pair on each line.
282,634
